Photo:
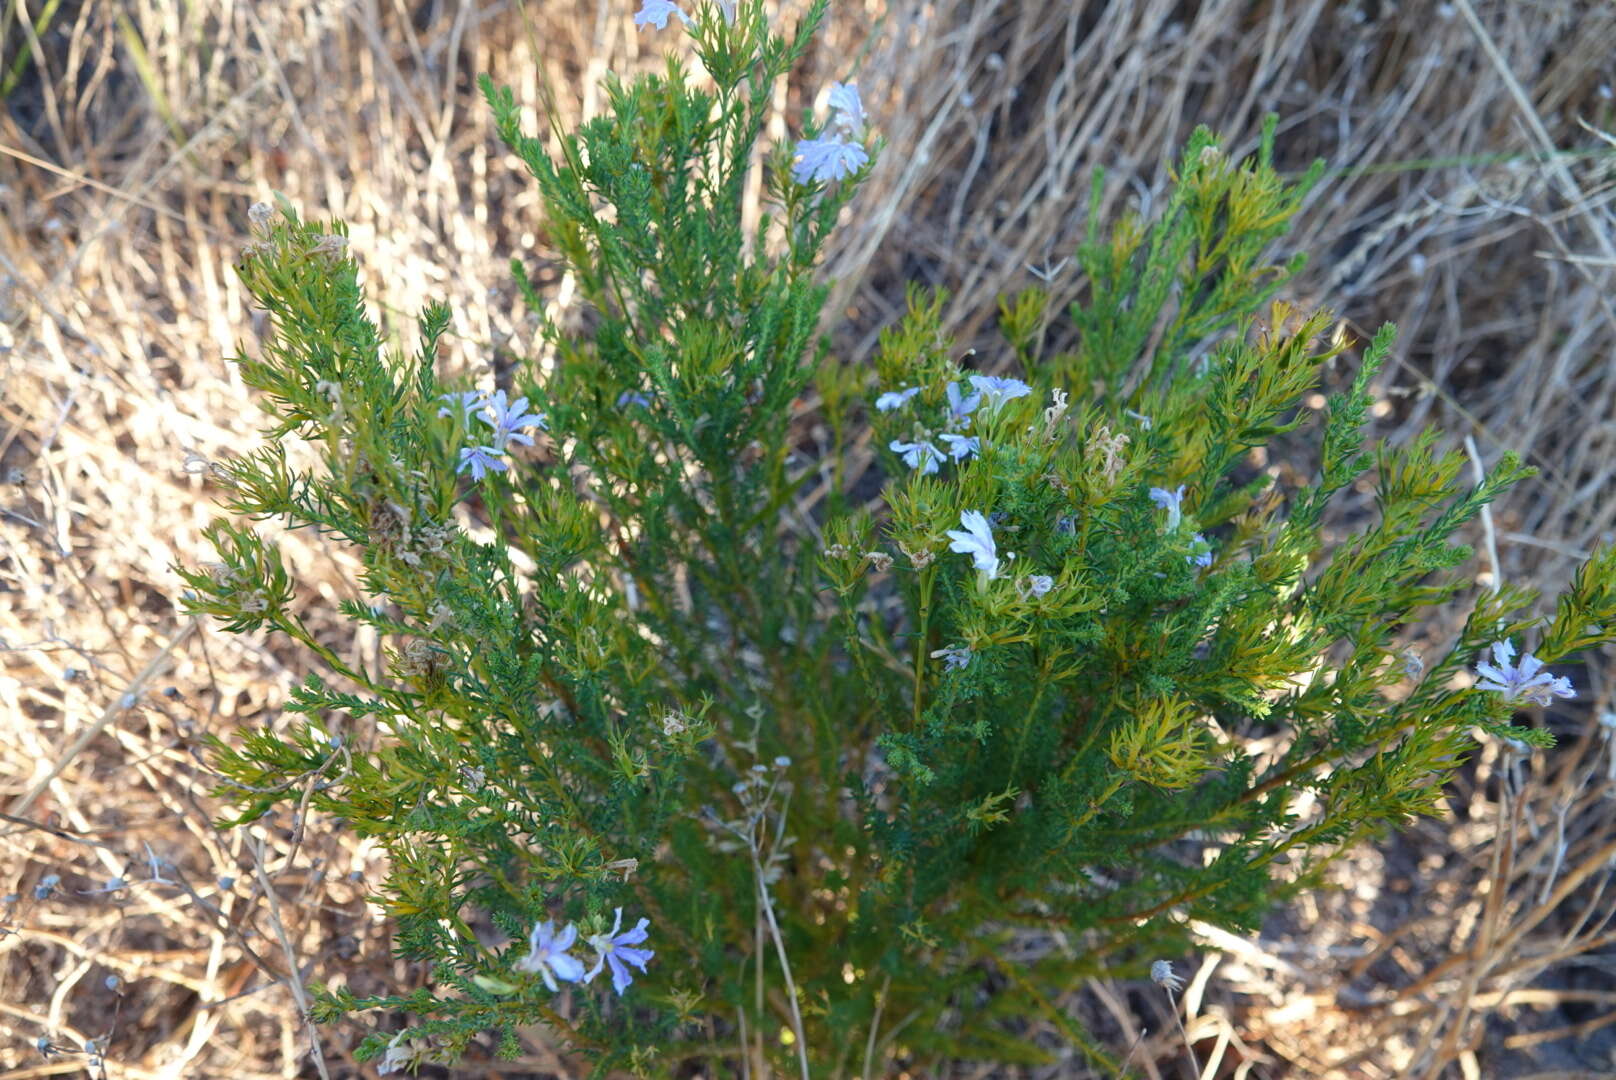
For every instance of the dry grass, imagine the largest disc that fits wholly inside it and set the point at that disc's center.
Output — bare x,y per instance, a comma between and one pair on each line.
139,131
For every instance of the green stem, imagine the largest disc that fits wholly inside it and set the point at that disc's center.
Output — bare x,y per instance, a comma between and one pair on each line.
1095,804
927,579
295,630
1031,715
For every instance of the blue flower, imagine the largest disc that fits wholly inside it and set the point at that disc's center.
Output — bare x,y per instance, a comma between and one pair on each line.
656,12
999,390
895,399
1526,681
1202,555
467,401
613,949
1040,584
918,455
633,397
1169,501
547,955
961,407
481,460
961,447
827,159
849,110
954,658
974,537
507,418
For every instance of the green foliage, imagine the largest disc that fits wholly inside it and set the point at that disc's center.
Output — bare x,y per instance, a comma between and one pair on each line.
861,782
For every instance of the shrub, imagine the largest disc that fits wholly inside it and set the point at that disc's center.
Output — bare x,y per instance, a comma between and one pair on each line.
858,784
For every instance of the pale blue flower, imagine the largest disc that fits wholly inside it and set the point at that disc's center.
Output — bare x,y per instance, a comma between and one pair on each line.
961,407
481,460
1040,584
918,455
849,110
961,447
46,886
998,389
633,397
547,955
467,402
656,13
827,159
954,658
1526,681
508,418
895,399
1202,554
613,949
974,537
1171,501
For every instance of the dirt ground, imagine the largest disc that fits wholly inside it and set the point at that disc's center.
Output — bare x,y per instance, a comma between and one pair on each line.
1469,199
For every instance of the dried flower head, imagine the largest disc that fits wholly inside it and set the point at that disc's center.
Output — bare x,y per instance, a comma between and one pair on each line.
919,559
1108,447
1161,973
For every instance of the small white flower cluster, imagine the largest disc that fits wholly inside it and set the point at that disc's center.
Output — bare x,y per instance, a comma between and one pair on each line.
506,418
837,154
